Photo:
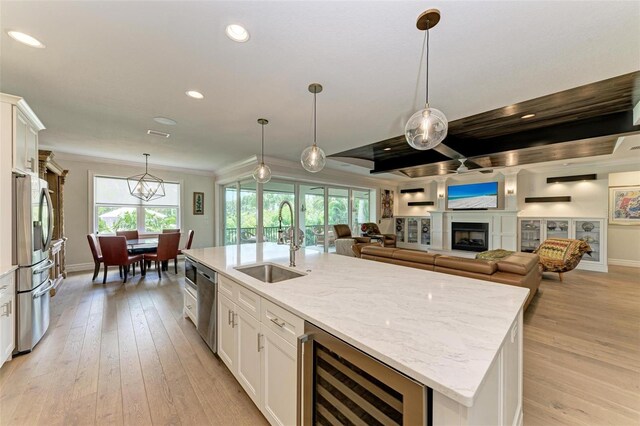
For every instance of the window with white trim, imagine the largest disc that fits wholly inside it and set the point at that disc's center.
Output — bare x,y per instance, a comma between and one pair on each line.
115,209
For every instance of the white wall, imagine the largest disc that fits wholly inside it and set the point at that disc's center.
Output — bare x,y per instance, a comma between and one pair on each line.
624,240
78,211
588,198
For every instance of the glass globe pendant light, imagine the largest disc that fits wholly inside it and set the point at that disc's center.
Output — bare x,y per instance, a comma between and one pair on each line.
313,158
262,173
427,127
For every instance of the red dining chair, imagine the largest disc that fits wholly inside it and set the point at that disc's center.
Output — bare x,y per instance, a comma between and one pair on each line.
189,241
114,252
130,235
96,253
167,250
170,231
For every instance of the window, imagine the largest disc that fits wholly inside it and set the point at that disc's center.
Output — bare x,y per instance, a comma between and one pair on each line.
115,209
360,210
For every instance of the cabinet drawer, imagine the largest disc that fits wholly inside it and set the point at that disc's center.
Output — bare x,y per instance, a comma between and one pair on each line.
228,288
282,322
249,301
190,306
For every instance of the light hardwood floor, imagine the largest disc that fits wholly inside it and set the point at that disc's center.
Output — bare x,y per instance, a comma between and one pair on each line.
125,355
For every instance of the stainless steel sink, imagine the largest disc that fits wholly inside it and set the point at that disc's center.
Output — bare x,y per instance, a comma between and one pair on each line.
269,272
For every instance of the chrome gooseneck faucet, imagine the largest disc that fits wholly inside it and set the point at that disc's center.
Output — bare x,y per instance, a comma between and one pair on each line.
293,247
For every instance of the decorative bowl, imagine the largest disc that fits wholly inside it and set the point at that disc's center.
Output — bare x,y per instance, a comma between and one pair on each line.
588,226
564,226
551,226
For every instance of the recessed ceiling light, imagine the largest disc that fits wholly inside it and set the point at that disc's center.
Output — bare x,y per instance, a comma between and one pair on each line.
195,94
158,133
237,33
25,39
528,116
164,120
387,149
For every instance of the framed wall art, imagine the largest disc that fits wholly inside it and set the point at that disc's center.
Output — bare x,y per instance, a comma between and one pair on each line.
198,203
386,203
624,205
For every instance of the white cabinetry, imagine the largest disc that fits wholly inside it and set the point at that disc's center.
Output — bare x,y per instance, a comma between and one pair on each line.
534,231
499,399
248,355
7,316
226,331
256,340
24,125
190,308
413,232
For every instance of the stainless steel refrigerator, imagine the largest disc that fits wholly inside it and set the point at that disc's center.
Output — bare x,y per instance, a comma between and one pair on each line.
33,227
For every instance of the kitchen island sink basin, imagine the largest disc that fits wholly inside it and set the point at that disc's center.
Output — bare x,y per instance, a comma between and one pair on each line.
269,272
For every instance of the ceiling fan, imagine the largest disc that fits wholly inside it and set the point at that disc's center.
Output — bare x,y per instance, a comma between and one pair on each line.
463,168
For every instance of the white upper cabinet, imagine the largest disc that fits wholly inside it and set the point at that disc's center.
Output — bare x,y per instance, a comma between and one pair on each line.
24,125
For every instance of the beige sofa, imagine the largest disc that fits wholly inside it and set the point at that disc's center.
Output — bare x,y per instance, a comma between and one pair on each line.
518,269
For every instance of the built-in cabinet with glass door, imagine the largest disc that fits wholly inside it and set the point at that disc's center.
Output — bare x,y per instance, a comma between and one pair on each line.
533,231
413,232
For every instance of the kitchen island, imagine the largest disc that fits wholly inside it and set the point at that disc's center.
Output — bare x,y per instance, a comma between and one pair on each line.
457,336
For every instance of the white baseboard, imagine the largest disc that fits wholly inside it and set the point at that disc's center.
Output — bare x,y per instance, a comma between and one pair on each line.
625,262
78,267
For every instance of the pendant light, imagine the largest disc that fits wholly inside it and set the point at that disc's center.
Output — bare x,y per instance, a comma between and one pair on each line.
427,127
262,173
146,186
313,158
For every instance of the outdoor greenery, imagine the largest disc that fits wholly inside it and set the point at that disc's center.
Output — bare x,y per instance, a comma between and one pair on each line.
313,212
155,219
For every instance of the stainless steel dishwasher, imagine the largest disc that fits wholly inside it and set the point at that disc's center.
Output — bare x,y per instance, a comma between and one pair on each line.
207,283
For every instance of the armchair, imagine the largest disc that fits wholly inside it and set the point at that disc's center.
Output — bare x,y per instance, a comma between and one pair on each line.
344,241
371,229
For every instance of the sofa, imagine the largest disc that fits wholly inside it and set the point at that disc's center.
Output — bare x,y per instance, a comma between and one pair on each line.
518,269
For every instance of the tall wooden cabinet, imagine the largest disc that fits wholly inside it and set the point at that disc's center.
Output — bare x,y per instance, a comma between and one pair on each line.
55,176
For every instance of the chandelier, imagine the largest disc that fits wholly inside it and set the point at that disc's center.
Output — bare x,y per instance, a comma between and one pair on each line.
146,186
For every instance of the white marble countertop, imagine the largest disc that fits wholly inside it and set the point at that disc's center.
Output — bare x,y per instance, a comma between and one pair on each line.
442,330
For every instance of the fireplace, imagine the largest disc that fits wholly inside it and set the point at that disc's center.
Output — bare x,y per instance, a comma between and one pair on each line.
470,236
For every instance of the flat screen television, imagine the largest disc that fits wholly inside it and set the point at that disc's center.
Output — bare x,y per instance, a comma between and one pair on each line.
473,196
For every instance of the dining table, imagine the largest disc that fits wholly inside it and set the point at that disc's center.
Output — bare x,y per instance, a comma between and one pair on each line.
142,245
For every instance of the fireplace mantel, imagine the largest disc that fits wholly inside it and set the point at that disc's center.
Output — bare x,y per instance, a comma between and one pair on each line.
503,227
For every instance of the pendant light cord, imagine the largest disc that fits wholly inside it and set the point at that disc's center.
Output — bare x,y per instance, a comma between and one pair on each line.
262,152
315,115
427,65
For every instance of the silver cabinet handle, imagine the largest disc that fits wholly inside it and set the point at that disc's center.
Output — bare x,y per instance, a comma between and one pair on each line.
299,370
234,320
259,347
229,312
278,323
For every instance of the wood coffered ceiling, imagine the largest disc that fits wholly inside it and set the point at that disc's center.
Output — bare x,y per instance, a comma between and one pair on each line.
580,122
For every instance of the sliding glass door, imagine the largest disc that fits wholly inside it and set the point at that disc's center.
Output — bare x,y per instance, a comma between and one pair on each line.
230,214
250,211
273,194
338,210
360,210
312,216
